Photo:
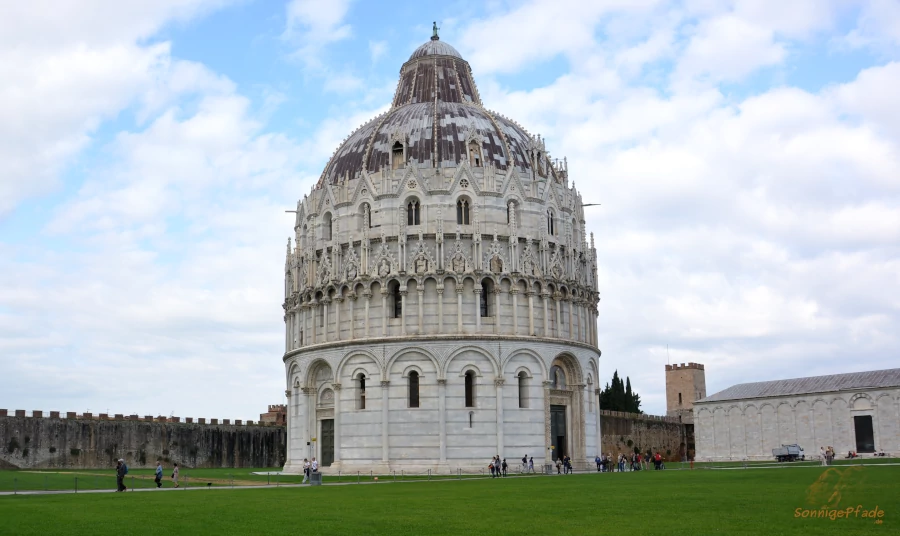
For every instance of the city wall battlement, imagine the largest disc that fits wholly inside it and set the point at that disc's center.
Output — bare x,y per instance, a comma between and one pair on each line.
86,441
72,415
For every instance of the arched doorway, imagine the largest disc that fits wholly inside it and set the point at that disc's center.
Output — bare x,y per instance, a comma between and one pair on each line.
564,409
320,383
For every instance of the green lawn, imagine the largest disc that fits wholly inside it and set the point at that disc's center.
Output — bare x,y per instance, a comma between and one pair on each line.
653,502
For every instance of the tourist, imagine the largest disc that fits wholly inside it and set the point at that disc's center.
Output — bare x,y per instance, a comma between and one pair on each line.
505,467
120,476
175,474
497,467
823,456
491,466
305,470
657,461
598,462
640,461
314,466
531,464
558,466
159,473
525,463
621,463
829,454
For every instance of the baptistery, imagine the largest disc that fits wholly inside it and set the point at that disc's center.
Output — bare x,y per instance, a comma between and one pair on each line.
440,292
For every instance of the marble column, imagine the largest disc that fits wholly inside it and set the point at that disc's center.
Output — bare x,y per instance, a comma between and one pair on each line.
337,421
314,320
290,428
352,316
368,296
385,386
498,383
440,299
530,295
544,297
547,457
459,311
599,422
442,414
420,295
384,312
556,305
497,314
478,292
337,320
325,304
515,306
403,311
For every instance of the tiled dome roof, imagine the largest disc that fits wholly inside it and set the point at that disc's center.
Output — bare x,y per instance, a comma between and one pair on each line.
436,113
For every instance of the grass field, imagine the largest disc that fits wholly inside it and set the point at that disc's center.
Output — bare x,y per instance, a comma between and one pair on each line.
759,501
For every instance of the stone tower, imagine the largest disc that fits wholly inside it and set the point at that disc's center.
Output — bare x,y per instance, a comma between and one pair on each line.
684,385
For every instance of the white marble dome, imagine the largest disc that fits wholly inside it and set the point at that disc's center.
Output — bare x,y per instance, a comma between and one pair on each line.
441,293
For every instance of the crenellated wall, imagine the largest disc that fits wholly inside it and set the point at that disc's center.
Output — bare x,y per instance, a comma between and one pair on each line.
666,435
86,441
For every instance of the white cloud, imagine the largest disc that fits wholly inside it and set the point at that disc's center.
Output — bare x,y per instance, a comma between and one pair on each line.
377,49
311,25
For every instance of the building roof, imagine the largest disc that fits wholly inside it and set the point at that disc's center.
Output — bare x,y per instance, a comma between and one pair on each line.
875,379
437,115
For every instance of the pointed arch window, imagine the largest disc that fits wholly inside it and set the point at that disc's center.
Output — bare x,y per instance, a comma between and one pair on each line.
462,211
523,389
412,212
413,388
551,224
397,156
470,389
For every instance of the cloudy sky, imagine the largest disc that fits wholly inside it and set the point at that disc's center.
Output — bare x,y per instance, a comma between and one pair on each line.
746,155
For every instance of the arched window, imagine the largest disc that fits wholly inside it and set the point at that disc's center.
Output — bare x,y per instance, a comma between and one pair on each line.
557,377
551,227
470,389
397,299
326,226
474,154
462,211
412,212
397,156
487,287
413,389
361,398
523,389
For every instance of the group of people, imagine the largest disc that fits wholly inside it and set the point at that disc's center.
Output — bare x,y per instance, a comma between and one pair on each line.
498,467
122,470
308,467
564,463
636,462
527,464
826,455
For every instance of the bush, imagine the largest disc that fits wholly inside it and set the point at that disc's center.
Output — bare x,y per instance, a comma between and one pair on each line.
629,442
13,445
668,452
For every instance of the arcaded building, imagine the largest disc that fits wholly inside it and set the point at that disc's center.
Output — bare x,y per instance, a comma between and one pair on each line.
441,291
858,412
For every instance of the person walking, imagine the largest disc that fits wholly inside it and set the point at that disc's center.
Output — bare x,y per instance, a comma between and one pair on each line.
159,474
120,476
491,466
305,470
175,474
822,456
314,465
525,463
505,467
531,464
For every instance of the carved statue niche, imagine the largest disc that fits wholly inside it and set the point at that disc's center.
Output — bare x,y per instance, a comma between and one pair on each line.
496,264
384,268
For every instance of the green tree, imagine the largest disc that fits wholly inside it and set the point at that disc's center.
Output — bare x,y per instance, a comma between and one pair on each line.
619,396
